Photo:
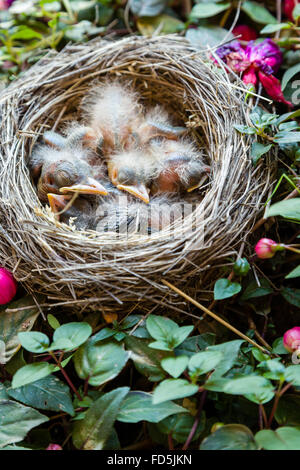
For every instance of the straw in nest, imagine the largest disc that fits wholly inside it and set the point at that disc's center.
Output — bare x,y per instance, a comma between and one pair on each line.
90,270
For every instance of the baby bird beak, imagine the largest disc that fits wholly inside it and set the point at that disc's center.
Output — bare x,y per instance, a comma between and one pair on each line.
91,186
57,202
138,190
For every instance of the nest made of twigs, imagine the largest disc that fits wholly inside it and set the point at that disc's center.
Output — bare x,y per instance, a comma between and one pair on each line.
91,270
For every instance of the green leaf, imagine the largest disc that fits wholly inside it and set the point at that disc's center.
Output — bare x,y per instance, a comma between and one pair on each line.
138,406
253,291
215,385
259,355
286,116
296,12
16,421
195,344
99,362
203,362
252,384
257,150
291,295
13,447
278,347
179,426
230,437
289,208
289,126
180,335
175,366
294,273
13,323
258,13
146,360
292,375
161,328
285,137
34,341
288,410
260,397
32,372
172,389
167,332
164,23
245,129
53,322
285,438
74,333
224,289
147,7
204,36
230,351
48,393
94,430
208,9
272,28
3,393
25,33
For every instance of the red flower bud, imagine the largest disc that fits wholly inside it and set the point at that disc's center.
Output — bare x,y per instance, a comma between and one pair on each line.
247,33
8,286
291,339
267,248
288,8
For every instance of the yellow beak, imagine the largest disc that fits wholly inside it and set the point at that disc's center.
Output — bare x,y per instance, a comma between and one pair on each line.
139,191
57,203
91,187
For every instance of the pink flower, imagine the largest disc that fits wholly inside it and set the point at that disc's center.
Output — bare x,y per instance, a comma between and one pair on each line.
247,33
288,8
54,447
266,248
5,4
291,339
256,62
8,286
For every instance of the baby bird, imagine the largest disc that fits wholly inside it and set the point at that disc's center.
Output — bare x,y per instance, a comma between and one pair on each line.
132,171
157,125
120,215
113,112
65,165
81,210
125,215
180,166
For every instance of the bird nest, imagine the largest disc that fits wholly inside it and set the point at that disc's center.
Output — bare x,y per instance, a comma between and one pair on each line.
93,270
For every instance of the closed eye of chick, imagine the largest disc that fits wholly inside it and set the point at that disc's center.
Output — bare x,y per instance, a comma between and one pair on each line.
65,169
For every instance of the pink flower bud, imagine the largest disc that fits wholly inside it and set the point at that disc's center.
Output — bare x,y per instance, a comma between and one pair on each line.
267,248
8,286
291,339
54,447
